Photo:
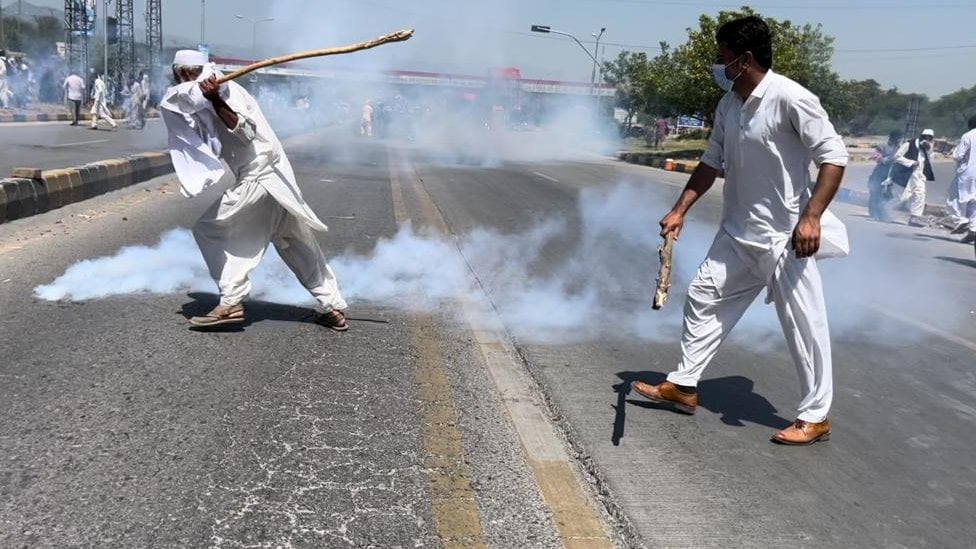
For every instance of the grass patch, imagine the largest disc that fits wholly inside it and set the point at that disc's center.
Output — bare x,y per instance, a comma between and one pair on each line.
691,149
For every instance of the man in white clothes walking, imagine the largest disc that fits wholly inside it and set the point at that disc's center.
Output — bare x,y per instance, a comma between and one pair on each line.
913,168
100,108
74,91
207,122
961,201
766,132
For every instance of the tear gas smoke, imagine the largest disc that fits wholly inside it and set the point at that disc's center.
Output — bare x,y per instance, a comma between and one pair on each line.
563,279
569,278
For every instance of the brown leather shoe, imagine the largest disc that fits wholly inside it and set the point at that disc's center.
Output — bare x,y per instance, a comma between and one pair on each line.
667,393
803,433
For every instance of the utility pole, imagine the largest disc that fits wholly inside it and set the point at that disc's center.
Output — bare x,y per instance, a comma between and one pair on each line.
105,37
596,49
203,22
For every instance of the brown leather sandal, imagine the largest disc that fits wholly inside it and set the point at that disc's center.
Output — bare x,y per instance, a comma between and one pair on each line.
334,320
219,316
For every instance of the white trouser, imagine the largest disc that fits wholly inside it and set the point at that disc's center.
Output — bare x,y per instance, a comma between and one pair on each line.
234,233
914,194
959,210
721,292
4,93
100,110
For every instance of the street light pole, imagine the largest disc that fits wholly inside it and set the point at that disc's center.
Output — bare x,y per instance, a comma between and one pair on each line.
203,22
254,31
544,29
105,36
596,50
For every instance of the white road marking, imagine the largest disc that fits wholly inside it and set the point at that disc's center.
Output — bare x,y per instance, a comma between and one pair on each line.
544,176
78,143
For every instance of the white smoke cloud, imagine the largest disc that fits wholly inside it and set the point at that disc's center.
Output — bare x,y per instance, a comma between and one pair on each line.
570,277
574,277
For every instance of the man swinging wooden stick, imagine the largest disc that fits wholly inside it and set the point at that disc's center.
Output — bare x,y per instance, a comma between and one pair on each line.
210,118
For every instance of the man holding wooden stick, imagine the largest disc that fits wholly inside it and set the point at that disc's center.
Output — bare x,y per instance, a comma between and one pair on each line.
208,121
767,130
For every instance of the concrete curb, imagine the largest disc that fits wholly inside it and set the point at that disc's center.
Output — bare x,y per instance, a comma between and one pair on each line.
6,117
849,196
645,159
51,189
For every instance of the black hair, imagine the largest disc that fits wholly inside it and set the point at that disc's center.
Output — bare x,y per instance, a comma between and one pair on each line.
748,34
972,122
896,134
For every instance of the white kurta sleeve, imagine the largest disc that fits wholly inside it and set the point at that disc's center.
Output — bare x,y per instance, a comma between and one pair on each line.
811,122
900,156
245,130
961,152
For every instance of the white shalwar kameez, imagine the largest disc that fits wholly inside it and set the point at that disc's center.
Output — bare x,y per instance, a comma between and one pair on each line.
962,194
764,145
100,104
5,93
265,206
914,193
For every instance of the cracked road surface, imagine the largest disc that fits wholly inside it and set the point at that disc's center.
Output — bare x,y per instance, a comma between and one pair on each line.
121,428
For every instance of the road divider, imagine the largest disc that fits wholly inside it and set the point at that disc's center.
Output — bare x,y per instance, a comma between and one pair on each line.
30,191
655,161
59,116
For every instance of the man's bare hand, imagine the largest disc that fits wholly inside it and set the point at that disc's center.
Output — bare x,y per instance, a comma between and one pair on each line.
210,88
806,236
672,224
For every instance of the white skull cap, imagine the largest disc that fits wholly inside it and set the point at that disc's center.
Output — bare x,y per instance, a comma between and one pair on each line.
190,58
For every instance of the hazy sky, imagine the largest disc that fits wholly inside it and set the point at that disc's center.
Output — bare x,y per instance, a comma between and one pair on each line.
918,46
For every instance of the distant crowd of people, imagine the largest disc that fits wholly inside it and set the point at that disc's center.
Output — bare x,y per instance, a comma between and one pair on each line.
134,92
17,84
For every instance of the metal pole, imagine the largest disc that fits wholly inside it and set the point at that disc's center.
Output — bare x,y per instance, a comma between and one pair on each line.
105,35
596,49
203,22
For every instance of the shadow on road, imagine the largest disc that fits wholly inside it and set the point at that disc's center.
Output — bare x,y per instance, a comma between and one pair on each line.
965,262
732,397
254,311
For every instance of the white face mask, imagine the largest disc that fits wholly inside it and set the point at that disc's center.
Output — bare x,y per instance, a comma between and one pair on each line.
718,73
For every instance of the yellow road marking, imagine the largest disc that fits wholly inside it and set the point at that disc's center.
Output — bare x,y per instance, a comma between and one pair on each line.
452,500
576,521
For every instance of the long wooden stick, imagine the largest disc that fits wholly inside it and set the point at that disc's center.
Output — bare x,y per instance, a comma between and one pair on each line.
398,36
664,275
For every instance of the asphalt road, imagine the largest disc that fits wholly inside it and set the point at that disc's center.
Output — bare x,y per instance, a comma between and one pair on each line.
122,428
48,145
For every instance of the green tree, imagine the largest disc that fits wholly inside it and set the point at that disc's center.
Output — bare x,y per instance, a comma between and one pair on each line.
683,73
636,91
951,112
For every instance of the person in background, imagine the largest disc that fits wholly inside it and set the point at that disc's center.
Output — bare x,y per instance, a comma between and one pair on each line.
884,155
961,201
913,171
660,132
74,91
99,108
366,124
5,93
